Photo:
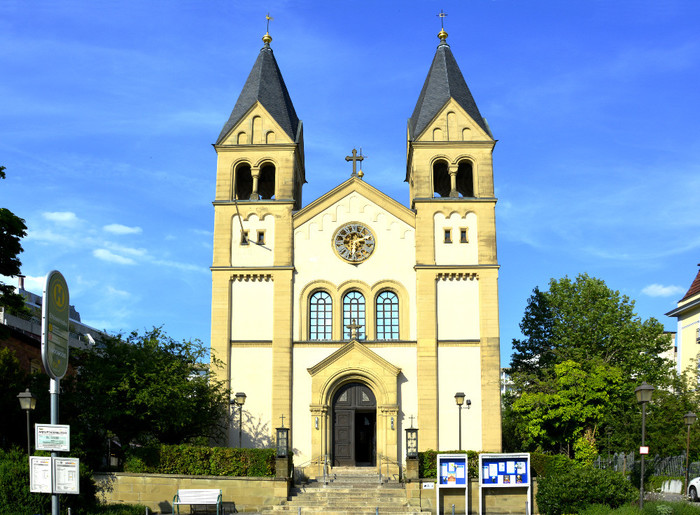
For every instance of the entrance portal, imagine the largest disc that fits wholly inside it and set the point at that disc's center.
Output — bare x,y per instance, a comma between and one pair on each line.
354,426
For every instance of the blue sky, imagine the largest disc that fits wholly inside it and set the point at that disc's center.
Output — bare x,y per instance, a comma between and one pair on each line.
108,111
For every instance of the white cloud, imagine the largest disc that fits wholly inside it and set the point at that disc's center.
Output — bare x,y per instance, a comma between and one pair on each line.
121,229
61,217
113,292
110,257
659,290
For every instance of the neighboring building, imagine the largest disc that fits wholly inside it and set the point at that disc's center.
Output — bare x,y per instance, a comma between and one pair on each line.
506,382
354,317
25,334
687,340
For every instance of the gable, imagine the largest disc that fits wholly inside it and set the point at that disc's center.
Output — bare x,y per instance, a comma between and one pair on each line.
452,123
256,127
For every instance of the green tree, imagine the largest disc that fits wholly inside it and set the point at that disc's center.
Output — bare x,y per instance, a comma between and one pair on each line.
12,230
144,388
583,319
13,380
574,373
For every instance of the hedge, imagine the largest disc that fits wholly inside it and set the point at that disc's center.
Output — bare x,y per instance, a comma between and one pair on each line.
201,461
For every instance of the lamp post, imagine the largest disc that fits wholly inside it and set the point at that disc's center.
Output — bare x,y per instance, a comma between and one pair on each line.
689,419
28,402
459,399
239,400
643,393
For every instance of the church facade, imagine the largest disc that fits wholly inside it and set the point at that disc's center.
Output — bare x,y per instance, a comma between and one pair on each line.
354,317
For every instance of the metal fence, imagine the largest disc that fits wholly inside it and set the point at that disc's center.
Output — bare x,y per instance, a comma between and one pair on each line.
673,466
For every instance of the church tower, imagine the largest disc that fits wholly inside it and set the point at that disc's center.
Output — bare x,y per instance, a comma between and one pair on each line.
450,174
260,174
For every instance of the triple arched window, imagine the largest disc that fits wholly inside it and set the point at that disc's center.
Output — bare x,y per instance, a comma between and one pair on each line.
353,311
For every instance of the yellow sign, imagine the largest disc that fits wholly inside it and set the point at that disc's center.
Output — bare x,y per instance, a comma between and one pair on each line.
55,328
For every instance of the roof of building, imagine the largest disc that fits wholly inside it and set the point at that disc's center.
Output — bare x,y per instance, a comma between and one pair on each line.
694,288
444,81
265,85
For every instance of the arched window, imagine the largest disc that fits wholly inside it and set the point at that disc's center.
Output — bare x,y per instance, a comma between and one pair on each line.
465,179
266,183
244,182
354,311
387,316
441,179
320,316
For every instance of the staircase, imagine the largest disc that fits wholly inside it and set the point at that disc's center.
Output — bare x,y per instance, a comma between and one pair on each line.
350,491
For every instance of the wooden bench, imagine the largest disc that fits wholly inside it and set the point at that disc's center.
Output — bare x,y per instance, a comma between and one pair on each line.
203,496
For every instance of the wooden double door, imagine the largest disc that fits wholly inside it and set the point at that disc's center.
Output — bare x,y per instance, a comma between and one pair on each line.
354,426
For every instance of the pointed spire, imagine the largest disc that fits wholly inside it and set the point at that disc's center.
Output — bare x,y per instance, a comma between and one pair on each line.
444,81
265,85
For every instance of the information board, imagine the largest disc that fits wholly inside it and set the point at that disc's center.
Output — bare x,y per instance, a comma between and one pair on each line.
66,475
40,474
506,471
452,472
52,437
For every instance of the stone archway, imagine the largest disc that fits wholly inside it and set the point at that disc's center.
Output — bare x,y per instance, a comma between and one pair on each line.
355,364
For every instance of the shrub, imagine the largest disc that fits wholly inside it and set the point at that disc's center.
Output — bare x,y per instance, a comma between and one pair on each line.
202,461
16,499
573,489
427,463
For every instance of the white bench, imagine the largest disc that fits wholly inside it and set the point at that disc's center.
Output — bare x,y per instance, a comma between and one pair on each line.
203,496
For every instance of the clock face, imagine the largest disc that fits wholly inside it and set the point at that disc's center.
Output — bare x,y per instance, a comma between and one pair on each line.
354,242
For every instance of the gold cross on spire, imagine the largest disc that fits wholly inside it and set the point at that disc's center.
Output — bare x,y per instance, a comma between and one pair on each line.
355,158
442,34
267,39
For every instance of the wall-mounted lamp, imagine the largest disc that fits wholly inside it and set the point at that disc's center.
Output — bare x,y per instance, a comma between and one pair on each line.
392,423
316,423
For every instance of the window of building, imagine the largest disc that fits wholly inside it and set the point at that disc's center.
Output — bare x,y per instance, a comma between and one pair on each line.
261,238
448,235
463,235
354,314
244,237
320,316
387,316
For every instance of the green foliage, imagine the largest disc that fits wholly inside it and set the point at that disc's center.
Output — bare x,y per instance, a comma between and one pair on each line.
427,463
13,380
202,461
12,230
144,388
119,509
16,499
650,508
579,486
573,403
545,464
574,373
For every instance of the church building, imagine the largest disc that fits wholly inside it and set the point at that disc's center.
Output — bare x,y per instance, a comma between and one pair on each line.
353,317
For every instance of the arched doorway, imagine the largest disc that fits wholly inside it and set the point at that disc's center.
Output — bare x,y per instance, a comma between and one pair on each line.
354,426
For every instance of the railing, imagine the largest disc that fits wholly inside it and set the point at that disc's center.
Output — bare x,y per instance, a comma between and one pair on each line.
321,460
672,466
389,461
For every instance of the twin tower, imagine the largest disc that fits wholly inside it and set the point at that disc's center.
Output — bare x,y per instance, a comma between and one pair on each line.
352,318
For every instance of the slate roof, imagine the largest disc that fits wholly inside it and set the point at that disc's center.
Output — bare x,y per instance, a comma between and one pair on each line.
694,288
444,80
265,85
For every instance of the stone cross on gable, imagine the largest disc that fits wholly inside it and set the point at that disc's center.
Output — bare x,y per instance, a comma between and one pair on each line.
353,326
355,158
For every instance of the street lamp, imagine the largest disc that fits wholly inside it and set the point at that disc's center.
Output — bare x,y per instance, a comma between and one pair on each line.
643,393
689,419
239,400
28,402
459,399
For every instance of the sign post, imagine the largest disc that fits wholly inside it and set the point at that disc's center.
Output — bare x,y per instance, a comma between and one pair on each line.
55,330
